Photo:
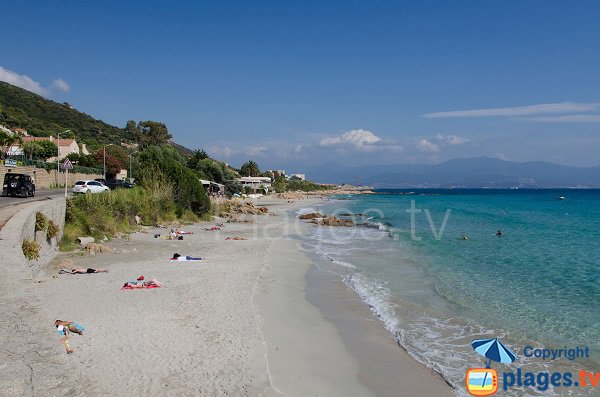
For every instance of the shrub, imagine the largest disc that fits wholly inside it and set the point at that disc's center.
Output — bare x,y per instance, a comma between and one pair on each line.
53,230
41,222
31,249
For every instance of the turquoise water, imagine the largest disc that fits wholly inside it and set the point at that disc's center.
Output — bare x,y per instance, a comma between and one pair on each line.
538,284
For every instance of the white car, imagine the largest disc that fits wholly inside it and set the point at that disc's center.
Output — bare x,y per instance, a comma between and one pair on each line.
89,187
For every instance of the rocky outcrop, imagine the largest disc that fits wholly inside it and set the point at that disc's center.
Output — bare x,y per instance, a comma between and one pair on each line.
312,215
333,221
231,208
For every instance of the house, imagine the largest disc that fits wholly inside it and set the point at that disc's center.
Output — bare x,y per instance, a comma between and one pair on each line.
213,188
65,146
255,183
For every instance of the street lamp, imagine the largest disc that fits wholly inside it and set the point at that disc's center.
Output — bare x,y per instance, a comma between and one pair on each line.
130,170
104,149
58,153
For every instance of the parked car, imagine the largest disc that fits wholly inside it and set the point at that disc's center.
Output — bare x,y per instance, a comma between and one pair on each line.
18,185
89,187
118,184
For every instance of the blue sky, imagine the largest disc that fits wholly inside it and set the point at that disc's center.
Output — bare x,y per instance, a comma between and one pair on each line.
359,82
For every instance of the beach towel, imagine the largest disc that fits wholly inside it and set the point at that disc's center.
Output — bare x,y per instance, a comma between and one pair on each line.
61,328
185,259
127,286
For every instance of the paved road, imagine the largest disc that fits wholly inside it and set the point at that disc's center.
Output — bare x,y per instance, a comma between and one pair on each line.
11,205
40,194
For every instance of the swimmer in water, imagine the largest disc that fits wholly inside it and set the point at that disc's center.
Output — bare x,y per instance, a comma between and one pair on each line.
464,237
499,234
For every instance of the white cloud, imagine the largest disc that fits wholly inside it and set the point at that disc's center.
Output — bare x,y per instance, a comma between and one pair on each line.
569,118
27,83
501,156
60,85
219,151
360,139
256,151
425,145
452,140
23,81
545,108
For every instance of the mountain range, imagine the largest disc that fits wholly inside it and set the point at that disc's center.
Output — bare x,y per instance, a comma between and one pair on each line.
480,172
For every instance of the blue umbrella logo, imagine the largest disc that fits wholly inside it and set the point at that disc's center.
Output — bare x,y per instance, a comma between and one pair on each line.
493,350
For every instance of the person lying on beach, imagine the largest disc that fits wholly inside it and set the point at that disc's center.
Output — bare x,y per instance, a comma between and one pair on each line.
82,271
236,238
65,328
214,227
177,257
182,232
141,283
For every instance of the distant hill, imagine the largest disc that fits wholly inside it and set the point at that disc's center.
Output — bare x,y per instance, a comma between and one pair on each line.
468,173
41,117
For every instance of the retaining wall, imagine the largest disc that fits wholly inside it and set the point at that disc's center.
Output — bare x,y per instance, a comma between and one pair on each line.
22,227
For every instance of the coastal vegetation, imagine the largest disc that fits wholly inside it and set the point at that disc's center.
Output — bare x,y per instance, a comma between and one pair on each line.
31,249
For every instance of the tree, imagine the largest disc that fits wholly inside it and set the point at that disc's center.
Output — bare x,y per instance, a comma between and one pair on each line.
8,140
197,156
113,165
250,168
47,149
279,184
151,133
31,149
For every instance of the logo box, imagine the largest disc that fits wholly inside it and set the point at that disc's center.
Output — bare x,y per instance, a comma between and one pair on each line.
481,381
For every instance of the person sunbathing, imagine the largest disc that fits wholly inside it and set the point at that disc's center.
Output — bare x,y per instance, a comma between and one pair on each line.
212,228
82,271
65,328
177,257
182,232
236,238
141,283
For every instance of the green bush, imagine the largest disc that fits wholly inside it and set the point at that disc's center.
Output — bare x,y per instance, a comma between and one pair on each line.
41,222
53,230
31,249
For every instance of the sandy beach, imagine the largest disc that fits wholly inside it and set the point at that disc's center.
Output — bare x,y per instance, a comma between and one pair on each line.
254,317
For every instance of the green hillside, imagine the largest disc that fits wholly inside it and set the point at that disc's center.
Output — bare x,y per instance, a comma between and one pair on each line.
43,117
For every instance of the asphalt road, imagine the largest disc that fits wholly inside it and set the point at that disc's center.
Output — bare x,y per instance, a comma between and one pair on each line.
40,194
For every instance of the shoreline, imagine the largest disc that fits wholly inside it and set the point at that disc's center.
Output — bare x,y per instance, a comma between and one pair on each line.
247,320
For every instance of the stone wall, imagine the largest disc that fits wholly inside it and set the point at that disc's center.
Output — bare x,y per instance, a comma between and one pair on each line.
22,227
44,178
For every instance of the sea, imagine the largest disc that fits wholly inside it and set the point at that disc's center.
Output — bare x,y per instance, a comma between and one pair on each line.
537,285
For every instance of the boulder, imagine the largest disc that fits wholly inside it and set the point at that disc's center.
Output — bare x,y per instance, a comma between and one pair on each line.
333,221
85,240
312,215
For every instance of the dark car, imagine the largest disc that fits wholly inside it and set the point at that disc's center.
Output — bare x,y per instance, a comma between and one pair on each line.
18,185
118,184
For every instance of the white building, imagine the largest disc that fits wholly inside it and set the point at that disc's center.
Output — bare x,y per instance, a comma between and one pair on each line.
255,182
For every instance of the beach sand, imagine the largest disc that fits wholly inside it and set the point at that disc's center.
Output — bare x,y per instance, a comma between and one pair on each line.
253,318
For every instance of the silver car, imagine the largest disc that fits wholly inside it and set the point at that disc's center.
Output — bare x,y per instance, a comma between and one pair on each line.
89,187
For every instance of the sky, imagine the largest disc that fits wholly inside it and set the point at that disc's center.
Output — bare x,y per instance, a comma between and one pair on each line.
290,83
